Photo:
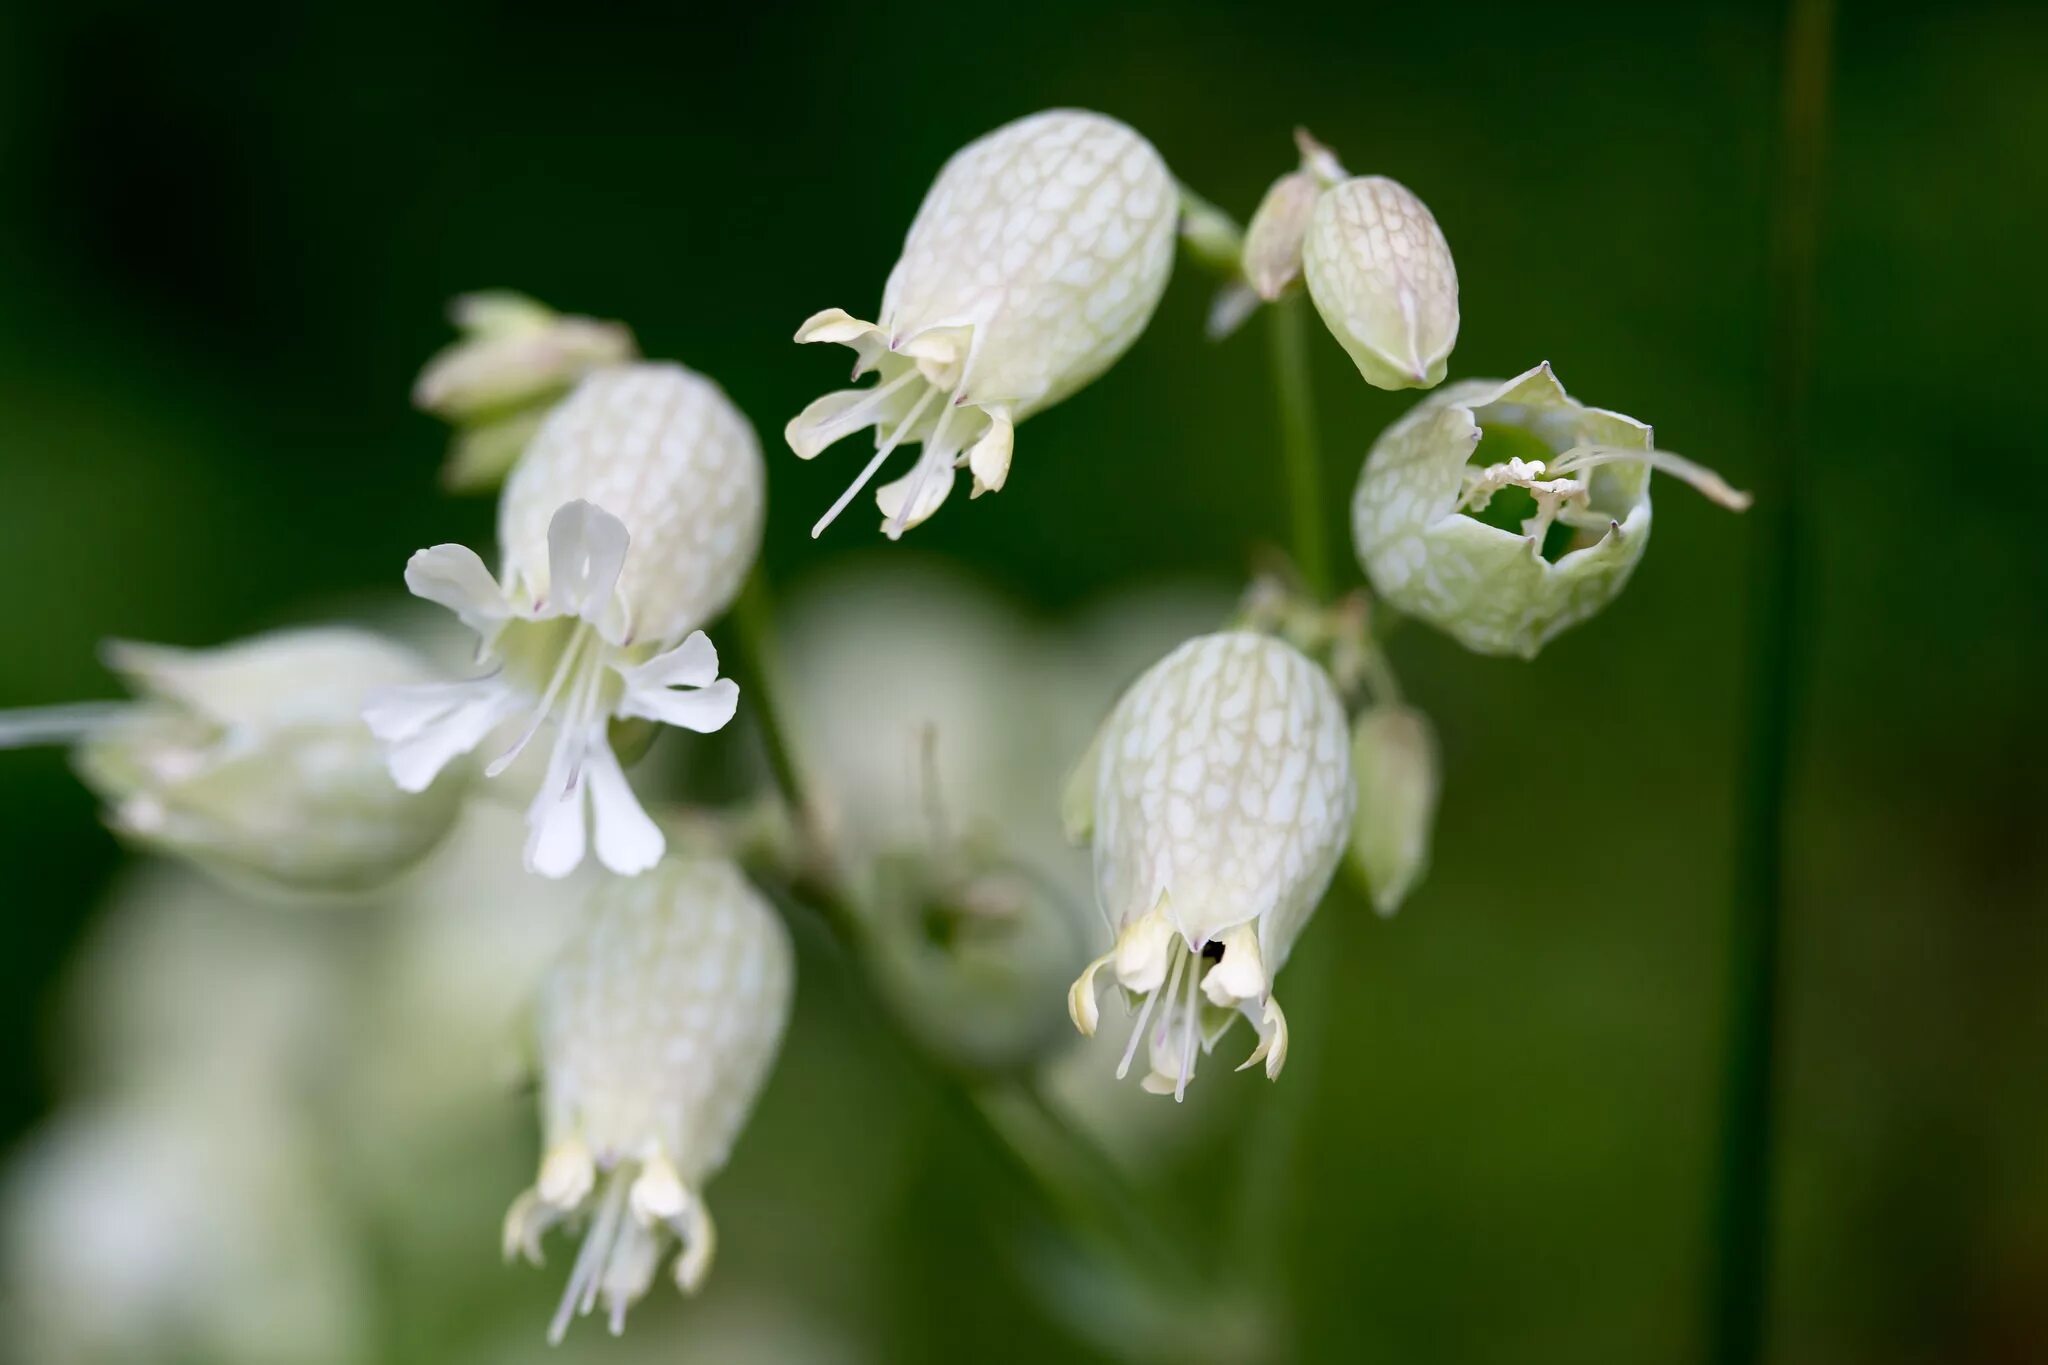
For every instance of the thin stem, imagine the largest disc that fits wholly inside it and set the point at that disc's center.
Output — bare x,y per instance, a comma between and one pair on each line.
1287,335
754,615
1738,1292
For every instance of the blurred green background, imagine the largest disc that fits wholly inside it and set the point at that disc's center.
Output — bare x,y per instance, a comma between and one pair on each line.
226,237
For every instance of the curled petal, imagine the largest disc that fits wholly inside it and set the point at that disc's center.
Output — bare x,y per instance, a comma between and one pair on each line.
452,576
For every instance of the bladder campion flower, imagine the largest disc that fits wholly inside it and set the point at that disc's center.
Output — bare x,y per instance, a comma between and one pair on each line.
1565,493
1035,261
251,759
517,358
656,1029
1381,275
1219,792
631,520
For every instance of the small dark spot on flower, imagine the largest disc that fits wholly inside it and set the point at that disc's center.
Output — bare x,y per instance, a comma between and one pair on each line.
1213,950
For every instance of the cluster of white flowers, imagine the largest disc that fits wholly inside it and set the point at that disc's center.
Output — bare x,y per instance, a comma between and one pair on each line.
1218,796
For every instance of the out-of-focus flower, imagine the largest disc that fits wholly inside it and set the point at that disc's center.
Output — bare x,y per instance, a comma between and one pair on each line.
1564,493
631,520
939,801
516,359
1381,275
189,986
1219,794
1035,261
164,1228
765,1325
1394,762
656,1030
251,759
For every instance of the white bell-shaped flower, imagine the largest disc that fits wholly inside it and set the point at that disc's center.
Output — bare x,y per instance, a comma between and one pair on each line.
1035,261
1504,513
657,1028
1219,792
631,520
251,759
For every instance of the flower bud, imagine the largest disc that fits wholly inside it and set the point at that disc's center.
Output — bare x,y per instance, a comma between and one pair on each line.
1034,262
632,519
252,760
1394,763
1504,513
1273,242
657,1029
1219,793
516,359
1381,275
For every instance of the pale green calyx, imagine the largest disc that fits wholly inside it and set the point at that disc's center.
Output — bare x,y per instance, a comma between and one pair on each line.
631,520
516,359
1381,275
657,1029
1221,799
1504,513
1394,763
1034,262
252,759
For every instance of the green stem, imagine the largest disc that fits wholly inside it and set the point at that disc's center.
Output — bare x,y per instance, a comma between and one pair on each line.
1287,336
754,615
1738,1291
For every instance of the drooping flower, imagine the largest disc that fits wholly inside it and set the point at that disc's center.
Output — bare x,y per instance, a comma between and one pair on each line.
1381,275
251,759
656,1030
1219,792
631,520
1564,493
1035,261
1394,760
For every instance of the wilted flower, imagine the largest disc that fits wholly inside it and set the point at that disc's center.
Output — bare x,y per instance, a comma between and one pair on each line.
1035,261
1219,792
1394,763
252,760
632,519
657,1029
517,358
1381,275
1273,239
1564,491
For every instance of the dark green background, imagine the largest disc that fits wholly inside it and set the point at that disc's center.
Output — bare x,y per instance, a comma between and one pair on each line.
226,235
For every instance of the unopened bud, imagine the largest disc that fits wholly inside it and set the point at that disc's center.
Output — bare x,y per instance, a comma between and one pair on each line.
1381,275
1273,242
1394,763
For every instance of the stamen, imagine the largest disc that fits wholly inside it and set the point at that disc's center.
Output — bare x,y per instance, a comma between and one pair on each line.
1123,1068
1192,1022
580,1294
545,705
935,453
862,413
894,439
1709,484
1180,958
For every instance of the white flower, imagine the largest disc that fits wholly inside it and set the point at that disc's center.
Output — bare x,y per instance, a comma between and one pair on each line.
632,518
251,759
1035,261
1381,275
163,1228
657,1029
1564,493
1219,792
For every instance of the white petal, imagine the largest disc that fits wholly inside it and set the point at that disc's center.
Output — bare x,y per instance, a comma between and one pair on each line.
628,841
441,723
693,663
452,576
554,823
929,482
586,550
703,710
